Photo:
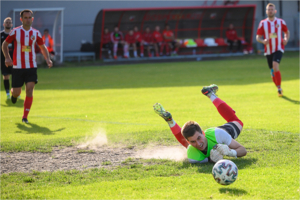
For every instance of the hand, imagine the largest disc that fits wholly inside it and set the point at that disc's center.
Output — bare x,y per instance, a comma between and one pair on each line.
265,41
224,150
284,41
8,62
215,156
49,63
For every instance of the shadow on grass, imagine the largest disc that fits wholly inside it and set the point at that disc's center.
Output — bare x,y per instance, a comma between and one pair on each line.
34,128
19,104
291,100
233,191
206,168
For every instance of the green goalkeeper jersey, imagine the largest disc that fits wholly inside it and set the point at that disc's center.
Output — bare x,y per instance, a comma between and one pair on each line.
196,154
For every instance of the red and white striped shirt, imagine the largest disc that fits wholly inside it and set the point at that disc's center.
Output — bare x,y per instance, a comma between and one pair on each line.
24,43
272,30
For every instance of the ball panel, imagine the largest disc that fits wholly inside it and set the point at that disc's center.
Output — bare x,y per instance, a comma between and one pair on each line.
225,172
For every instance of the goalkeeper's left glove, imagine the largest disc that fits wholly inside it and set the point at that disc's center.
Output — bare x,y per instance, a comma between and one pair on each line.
224,150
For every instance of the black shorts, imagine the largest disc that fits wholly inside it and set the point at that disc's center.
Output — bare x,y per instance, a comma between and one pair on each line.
231,129
5,70
276,56
21,76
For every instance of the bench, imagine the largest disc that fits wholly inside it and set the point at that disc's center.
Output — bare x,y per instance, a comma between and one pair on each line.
79,55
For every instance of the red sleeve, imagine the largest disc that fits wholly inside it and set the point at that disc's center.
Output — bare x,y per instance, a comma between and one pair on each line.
283,26
39,39
11,37
260,30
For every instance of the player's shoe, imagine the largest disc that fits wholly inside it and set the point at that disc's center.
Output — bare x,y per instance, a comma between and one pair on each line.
280,92
159,109
13,99
208,90
115,57
8,96
24,120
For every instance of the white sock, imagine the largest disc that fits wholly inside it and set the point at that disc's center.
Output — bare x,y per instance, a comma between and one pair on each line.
212,97
172,123
135,54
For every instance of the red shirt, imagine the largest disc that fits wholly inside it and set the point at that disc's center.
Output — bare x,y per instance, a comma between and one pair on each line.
130,39
106,38
272,30
138,36
157,37
148,37
24,43
168,34
231,34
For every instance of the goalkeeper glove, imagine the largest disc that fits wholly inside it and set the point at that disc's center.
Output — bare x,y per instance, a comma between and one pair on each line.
215,156
224,150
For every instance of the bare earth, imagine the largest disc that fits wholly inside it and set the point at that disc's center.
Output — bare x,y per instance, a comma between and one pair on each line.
70,158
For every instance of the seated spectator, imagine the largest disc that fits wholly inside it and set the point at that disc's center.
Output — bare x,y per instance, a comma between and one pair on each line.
117,40
148,40
48,42
158,41
232,38
170,41
130,40
106,41
139,40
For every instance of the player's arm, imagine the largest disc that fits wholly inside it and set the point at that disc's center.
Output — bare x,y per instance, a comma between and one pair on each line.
5,50
286,37
259,38
45,53
240,149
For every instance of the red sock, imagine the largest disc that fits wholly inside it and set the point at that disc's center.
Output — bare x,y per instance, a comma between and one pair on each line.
142,49
27,106
176,130
274,80
226,111
277,76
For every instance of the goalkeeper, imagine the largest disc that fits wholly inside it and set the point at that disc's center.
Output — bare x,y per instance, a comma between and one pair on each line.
213,143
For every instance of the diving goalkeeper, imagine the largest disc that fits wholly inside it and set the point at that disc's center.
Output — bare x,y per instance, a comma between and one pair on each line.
213,143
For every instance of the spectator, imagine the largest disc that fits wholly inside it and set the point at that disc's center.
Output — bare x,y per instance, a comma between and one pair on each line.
232,38
106,41
48,41
158,41
148,40
139,40
170,40
117,40
130,40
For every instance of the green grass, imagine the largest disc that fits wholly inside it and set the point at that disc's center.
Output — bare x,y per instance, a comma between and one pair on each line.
75,102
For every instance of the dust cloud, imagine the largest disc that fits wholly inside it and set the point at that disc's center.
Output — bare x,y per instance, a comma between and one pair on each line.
176,153
95,141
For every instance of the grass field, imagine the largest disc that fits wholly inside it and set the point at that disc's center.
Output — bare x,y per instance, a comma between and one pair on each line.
71,103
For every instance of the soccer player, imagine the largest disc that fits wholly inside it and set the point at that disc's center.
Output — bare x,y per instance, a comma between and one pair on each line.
158,41
271,29
170,41
139,40
213,143
117,40
106,41
148,40
6,71
24,62
232,38
130,41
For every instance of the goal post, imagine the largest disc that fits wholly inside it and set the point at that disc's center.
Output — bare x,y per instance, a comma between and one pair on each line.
46,18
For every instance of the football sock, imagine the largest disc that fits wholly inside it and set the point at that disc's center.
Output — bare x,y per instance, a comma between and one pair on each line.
6,86
176,130
125,50
115,49
226,111
135,53
277,76
213,97
27,106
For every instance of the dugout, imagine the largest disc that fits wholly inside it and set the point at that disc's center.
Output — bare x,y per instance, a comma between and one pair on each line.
187,23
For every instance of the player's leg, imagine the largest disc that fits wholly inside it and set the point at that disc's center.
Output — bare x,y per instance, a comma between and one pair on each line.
175,128
270,64
115,49
224,110
134,46
141,48
230,45
277,75
156,49
126,50
6,85
17,81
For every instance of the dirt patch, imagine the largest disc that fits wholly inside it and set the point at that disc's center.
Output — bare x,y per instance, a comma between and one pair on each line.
83,158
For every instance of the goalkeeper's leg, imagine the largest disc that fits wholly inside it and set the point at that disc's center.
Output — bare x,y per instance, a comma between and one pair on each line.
175,128
234,125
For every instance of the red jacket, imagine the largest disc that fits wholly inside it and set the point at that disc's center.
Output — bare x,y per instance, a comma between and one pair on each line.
231,34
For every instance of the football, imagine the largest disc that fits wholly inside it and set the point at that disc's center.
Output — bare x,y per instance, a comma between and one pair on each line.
225,172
